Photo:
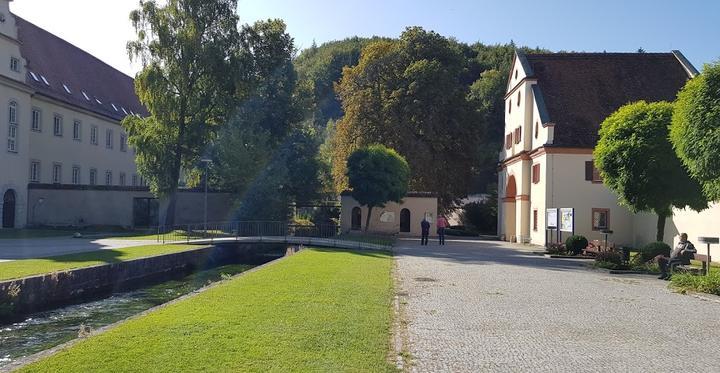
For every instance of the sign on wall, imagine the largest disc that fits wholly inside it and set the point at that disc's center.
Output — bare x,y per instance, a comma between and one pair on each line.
567,220
387,217
551,218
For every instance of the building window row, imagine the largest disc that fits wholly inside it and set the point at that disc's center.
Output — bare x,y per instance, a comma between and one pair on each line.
58,130
56,175
12,138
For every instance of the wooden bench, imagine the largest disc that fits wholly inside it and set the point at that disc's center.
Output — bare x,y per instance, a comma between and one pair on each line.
704,259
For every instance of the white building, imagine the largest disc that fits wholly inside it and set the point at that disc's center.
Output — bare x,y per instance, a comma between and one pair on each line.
554,106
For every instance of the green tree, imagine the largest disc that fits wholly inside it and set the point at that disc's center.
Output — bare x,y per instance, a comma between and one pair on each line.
695,130
187,50
377,175
637,162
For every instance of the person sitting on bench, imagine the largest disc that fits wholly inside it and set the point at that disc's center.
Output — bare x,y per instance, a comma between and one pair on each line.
681,254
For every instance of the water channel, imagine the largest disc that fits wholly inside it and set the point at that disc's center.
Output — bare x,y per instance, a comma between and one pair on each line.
45,330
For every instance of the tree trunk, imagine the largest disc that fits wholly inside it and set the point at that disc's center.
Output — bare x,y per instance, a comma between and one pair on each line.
367,218
174,177
661,227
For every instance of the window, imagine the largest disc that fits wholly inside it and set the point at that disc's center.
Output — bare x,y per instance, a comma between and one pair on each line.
536,173
108,177
592,173
14,64
114,107
509,106
535,220
34,172
508,141
86,95
93,176
57,173
356,219
36,124
516,73
67,89
76,175
134,180
34,76
98,101
94,135
537,129
122,179
518,99
518,135
77,130
109,139
123,143
600,219
45,80
12,127
57,125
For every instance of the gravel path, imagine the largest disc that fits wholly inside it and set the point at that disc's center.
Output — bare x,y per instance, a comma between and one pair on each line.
476,306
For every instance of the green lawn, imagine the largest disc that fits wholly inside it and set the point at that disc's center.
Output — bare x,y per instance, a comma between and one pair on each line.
29,267
319,310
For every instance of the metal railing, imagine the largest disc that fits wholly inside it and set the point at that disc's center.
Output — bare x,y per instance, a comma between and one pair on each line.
238,230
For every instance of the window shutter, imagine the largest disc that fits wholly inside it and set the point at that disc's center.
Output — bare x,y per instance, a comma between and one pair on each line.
589,170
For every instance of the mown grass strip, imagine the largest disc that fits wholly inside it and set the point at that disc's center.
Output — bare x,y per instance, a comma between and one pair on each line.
29,267
319,310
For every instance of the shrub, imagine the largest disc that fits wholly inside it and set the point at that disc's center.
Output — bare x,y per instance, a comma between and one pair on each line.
613,257
480,215
576,244
705,284
651,250
556,249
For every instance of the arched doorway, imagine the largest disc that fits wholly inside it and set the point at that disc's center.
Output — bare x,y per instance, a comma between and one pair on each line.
8,212
404,220
356,219
509,209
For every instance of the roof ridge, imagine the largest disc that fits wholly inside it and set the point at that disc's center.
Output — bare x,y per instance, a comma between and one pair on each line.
608,54
17,17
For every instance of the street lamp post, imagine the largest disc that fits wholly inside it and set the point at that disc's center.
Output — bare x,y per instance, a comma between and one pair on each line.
207,165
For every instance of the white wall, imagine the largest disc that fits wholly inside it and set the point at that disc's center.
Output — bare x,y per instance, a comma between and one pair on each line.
418,206
705,223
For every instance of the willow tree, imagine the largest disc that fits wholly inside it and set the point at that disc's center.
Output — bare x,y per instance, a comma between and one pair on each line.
188,51
637,162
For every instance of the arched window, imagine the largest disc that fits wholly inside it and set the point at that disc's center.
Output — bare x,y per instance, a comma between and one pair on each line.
356,219
12,127
518,99
404,220
537,129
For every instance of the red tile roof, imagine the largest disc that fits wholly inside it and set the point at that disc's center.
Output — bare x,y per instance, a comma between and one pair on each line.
62,63
581,89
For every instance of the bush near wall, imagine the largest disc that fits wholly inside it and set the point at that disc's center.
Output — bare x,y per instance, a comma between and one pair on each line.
576,244
653,249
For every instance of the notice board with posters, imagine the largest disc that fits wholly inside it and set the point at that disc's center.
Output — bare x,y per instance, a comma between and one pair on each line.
551,218
567,220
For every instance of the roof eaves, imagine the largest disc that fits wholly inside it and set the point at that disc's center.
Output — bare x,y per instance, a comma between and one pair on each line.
689,68
540,102
524,63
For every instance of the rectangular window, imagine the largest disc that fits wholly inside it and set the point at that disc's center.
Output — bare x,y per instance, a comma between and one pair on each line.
12,138
518,134
600,219
57,125
34,172
592,173
94,135
109,139
123,143
36,124
535,220
76,175
14,64
122,179
536,173
57,173
134,180
93,176
108,177
508,141
77,130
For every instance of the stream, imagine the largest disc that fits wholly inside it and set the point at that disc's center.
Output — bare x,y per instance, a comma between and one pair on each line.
48,329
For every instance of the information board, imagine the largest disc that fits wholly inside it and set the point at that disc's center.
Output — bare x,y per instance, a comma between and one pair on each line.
551,218
567,220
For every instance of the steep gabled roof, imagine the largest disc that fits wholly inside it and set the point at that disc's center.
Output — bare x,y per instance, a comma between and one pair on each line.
62,63
581,89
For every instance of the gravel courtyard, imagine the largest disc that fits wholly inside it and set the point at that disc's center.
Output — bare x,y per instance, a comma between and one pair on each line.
490,306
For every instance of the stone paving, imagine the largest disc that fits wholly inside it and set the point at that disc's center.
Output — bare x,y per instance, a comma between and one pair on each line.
476,306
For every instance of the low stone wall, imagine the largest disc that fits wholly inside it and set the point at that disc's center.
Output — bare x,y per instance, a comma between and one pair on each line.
31,294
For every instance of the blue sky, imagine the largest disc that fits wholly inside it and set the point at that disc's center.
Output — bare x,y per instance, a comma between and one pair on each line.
691,26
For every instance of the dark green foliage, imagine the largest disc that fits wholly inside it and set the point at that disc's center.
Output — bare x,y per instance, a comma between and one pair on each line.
651,250
576,244
637,162
481,216
695,130
377,175
556,249
705,284
609,259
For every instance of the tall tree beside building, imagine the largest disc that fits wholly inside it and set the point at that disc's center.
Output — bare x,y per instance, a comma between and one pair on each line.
695,130
187,49
408,94
637,162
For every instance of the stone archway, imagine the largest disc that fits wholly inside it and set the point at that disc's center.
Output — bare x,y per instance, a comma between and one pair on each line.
509,223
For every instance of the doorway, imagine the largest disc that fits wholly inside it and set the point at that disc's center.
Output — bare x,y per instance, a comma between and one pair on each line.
405,220
8,212
145,212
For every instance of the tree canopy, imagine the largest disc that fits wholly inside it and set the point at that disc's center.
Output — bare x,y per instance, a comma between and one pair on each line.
187,49
695,130
377,175
637,162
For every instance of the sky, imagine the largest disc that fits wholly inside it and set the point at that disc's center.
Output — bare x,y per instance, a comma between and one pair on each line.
103,29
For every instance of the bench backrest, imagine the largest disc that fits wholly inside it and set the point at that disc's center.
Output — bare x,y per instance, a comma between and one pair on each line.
701,257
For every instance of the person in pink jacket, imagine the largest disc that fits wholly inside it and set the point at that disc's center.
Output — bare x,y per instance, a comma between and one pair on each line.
442,223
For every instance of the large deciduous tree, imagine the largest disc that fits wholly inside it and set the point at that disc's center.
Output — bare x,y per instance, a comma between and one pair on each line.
637,162
187,49
377,175
695,130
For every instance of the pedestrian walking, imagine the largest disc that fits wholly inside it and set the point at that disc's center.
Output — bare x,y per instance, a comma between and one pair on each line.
442,223
425,231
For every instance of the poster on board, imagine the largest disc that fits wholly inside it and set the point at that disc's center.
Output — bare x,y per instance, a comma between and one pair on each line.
567,220
551,218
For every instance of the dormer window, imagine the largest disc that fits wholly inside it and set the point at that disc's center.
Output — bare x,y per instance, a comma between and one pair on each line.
45,80
114,107
34,76
125,111
67,89
98,101
85,95
14,64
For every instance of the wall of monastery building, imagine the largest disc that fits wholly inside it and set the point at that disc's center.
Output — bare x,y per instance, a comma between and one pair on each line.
191,206
386,219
